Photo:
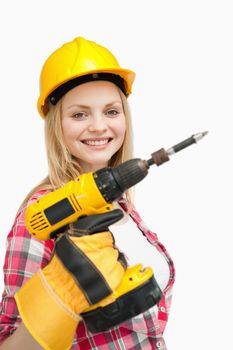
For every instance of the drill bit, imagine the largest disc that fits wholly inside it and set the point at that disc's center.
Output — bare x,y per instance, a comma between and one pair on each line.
193,139
161,156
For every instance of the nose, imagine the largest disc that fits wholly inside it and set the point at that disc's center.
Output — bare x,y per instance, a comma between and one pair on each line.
97,123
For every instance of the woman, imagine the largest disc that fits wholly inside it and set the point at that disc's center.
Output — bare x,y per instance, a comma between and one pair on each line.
83,100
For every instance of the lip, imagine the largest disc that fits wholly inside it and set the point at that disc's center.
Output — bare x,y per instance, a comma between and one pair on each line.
97,139
97,147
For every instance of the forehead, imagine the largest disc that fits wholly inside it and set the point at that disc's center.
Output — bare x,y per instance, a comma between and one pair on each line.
103,92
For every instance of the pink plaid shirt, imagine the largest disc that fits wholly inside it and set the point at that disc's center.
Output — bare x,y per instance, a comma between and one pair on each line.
25,255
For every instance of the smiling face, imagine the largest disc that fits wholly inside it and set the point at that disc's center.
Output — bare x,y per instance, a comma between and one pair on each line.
93,123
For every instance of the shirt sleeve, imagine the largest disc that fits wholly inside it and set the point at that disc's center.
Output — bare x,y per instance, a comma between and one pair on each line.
24,256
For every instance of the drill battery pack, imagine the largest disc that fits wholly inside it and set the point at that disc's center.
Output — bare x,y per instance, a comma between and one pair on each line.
125,305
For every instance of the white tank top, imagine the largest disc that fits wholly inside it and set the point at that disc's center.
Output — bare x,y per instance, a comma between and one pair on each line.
137,249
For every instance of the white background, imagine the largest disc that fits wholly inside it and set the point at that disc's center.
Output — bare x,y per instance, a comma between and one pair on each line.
182,54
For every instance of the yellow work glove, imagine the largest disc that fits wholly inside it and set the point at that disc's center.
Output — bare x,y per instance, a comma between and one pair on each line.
84,269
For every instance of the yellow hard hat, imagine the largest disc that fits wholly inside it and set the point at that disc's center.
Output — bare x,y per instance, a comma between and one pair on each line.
77,62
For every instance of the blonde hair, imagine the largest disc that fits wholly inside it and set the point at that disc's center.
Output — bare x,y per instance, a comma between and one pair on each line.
62,166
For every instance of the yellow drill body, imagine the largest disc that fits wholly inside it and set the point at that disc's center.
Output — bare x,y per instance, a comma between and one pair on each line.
56,209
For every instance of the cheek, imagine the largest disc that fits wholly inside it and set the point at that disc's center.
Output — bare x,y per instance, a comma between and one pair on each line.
120,129
70,131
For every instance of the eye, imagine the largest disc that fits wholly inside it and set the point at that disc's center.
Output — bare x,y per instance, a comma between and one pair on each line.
112,112
79,116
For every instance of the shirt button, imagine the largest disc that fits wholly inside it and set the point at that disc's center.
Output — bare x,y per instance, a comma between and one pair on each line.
159,344
162,309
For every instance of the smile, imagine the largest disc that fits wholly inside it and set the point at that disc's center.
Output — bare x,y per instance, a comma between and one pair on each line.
97,142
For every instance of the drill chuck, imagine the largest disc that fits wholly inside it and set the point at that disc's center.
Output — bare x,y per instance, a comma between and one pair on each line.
113,182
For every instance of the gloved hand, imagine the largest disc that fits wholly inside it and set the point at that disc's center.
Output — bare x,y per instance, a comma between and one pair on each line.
84,269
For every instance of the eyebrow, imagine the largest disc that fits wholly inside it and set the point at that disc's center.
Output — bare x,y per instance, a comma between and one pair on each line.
88,107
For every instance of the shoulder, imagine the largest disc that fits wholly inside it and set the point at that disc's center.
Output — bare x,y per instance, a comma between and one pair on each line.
19,233
36,195
20,215
24,253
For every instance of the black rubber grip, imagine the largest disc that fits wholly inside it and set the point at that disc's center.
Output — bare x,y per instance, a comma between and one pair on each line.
96,223
59,211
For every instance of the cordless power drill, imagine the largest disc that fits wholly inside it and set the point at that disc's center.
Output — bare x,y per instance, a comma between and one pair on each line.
93,193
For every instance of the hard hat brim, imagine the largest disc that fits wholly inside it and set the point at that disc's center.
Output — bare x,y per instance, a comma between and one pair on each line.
126,74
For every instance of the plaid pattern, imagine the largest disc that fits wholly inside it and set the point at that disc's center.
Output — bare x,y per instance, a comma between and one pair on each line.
25,255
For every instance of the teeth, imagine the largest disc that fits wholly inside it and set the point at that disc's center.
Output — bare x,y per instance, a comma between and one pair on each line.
96,143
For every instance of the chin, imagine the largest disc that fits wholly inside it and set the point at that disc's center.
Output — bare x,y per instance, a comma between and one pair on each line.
91,167
100,165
